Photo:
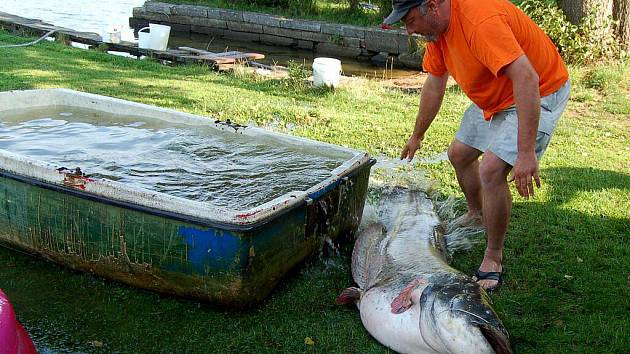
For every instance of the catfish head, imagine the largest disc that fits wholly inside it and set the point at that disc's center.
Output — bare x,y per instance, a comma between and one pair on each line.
456,317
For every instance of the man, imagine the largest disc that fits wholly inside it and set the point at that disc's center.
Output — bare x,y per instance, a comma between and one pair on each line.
505,64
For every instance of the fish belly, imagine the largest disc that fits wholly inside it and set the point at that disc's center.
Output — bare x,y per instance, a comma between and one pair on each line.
400,332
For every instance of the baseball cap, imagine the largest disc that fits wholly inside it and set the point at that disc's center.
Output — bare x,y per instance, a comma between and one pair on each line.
400,9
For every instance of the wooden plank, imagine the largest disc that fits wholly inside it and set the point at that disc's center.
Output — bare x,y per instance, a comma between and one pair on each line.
255,56
195,50
210,60
223,55
239,56
231,54
206,54
38,27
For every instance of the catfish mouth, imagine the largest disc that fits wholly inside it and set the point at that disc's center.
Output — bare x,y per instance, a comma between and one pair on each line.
463,298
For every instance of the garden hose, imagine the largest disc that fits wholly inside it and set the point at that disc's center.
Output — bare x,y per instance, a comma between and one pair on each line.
29,43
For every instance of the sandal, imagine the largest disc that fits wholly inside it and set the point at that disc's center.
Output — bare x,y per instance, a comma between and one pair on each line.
498,276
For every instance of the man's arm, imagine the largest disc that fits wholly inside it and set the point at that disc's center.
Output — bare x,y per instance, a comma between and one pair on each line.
527,98
430,102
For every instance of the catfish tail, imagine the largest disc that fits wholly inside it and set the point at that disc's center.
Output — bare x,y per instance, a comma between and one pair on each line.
349,296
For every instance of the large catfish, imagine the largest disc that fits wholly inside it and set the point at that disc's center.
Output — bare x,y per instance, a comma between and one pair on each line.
409,298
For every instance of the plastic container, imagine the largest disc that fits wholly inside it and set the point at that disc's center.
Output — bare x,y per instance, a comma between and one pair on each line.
126,35
193,248
326,71
157,38
112,34
144,39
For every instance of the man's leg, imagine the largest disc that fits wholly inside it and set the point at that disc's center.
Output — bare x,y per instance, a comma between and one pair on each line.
497,206
465,160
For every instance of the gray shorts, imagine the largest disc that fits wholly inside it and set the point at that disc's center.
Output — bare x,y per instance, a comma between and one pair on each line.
500,135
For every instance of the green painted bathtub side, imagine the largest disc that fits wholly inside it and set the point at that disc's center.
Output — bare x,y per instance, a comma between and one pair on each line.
235,266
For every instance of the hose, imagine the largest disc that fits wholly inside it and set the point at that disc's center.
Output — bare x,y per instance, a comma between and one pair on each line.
29,43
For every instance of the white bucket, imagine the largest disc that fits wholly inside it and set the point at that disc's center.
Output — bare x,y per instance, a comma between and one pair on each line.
156,38
326,71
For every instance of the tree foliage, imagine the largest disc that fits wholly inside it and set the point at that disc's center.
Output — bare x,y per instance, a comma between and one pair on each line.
587,41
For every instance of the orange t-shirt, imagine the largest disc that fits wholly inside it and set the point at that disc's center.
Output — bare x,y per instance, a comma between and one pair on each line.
483,37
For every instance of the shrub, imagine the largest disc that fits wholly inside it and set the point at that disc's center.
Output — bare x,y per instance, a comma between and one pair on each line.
353,4
604,79
385,6
303,5
583,43
297,75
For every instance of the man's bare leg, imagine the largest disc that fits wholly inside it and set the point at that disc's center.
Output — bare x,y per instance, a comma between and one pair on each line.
465,160
497,206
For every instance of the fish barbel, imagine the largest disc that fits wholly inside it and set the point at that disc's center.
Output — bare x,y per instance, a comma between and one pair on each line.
408,296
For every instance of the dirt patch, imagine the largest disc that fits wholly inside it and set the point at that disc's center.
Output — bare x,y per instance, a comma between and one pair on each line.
413,83
409,84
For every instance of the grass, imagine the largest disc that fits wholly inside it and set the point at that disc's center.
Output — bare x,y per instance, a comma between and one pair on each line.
567,249
333,11
320,10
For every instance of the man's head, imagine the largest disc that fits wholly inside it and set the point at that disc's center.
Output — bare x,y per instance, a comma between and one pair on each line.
427,18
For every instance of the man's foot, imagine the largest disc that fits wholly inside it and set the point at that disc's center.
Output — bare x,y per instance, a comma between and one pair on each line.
489,275
470,219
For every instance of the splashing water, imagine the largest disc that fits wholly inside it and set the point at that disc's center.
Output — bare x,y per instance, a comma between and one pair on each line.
395,173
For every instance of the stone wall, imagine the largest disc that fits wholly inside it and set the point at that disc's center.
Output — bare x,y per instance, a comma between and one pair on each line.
324,38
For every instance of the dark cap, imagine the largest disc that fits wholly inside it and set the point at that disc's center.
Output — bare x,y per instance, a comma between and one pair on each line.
400,9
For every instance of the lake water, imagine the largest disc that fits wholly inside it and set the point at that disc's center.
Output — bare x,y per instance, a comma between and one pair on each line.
79,15
195,162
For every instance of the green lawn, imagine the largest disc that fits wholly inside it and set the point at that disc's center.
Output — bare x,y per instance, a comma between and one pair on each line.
334,11
567,251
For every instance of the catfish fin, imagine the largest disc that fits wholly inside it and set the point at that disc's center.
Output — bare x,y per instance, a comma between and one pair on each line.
403,301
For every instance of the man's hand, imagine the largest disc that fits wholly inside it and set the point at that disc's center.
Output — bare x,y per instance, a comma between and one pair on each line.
409,150
430,102
525,168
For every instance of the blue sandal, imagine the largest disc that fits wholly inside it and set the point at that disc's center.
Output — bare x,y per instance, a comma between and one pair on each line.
498,276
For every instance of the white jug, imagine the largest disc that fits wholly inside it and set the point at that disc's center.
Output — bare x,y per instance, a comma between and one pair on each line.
144,39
